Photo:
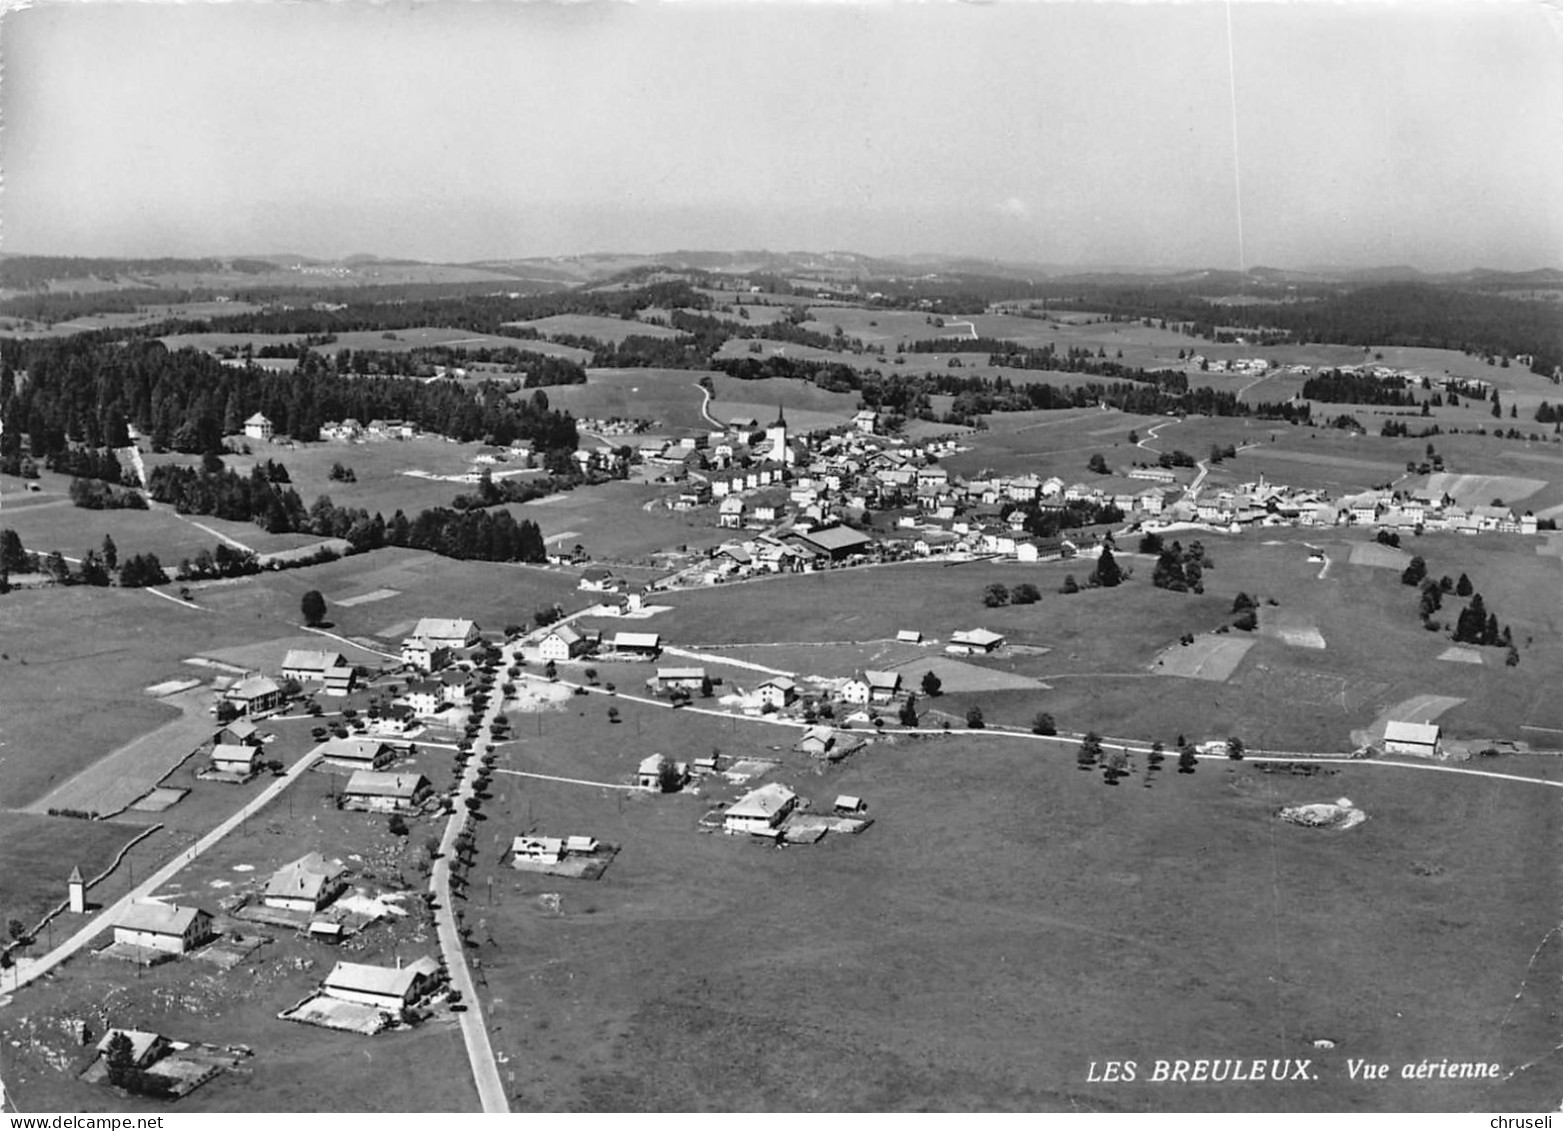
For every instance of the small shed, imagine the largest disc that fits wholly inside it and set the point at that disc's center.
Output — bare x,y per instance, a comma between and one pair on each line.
847,803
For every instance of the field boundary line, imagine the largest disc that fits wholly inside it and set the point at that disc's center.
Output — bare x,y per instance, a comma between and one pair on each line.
350,643
156,592
568,781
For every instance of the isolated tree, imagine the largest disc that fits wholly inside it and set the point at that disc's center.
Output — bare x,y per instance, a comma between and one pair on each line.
1187,761
1242,601
995,595
313,606
974,718
1106,574
1070,584
1090,750
1097,464
1115,763
931,684
1414,573
397,825
110,553
1152,544
1042,723
908,713
613,714
120,1058
707,688
15,928
551,670
591,675
1463,586
1235,748
1157,755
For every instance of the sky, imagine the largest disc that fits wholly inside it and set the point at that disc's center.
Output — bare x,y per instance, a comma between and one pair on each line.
1152,135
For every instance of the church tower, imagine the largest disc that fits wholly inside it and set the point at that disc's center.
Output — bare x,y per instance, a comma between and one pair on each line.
776,434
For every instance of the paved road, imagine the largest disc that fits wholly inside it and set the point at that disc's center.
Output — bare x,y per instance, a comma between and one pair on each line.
37,969
480,1053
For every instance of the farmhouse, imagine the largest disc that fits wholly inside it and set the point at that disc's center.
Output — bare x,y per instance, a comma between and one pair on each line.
760,810
643,645
254,695
563,643
1420,739
976,639
537,849
598,580
355,753
305,665
426,697
257,427
307,884
909,636
424,655
668,678
385,987
731,512
777,692
447,633
241,760
649,774
871,687
370,791
163,926
145,1048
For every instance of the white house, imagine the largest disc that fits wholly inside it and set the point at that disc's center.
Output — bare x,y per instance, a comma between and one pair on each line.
163,926
976,639
760,810
236,758
537,849
371,791
425,697
305,665
731,512
257,427
424,655
777,692
386,987
448,633
1419,739
563,643
307,884
871,687
254,695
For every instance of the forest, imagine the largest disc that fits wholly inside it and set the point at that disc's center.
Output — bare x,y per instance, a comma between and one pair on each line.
83,391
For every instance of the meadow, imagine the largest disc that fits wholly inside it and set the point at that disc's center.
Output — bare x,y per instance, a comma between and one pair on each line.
1005,922
670,397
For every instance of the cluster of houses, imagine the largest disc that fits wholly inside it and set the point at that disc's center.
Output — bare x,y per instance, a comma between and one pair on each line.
351,431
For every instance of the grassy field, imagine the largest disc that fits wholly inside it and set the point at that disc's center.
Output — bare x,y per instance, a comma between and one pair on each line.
1005,922
39,853
602,328
493,594
671,397
1052,443
47,521
618,522
1103,644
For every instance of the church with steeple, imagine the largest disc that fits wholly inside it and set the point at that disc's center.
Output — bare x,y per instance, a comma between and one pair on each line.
776,440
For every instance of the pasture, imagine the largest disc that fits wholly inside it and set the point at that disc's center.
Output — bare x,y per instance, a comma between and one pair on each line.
39,853
1209,657
493,594
619,523
1358,929
1051,443
669,397
69,696
600,327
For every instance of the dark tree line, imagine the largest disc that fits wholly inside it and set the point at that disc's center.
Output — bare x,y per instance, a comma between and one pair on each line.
81,393
1337,387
